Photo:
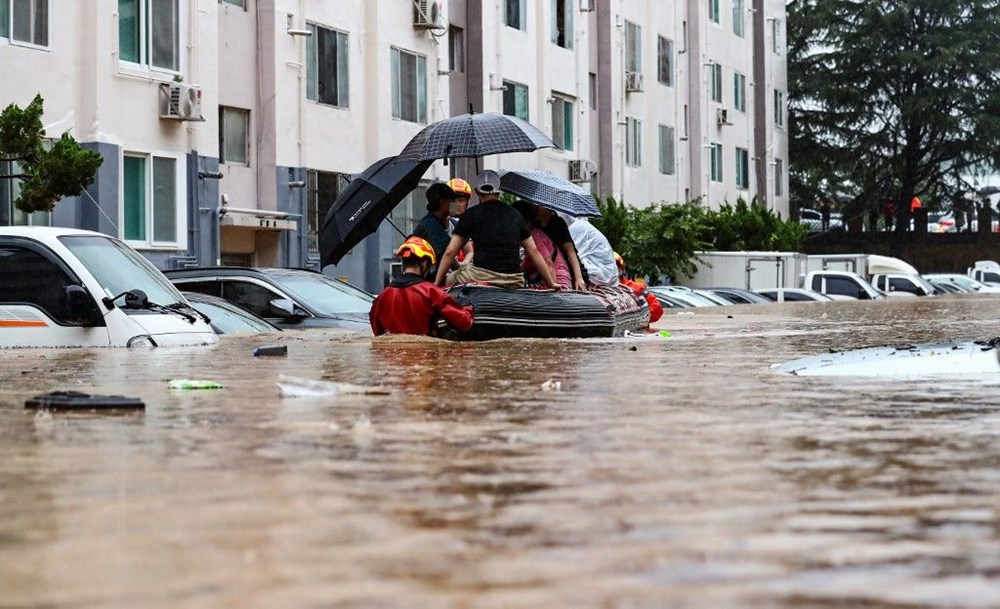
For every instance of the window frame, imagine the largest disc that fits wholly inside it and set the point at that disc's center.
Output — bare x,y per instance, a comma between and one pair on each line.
522,16
668,151
245,114
717,173
742,168
739,92
420,92
665,59
715,83
779,173
633,142
10,189
633,47
456,49
563,107
149,242
777,46
513,88
779,108
342,63
739,18
315,209
566,32
240,3
7,31
714,12
144,61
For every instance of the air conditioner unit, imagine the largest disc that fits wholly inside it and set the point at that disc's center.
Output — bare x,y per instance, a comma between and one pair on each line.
722,116
633,82
579,170
425,14
180,102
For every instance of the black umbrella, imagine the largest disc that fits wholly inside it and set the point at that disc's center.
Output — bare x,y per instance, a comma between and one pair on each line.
366,201
475,135
551,191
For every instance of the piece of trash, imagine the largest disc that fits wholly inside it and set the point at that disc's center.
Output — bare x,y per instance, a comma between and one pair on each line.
664,334
75,400
551,385
294,387
193,384
270,350
660,334
633,348
729,316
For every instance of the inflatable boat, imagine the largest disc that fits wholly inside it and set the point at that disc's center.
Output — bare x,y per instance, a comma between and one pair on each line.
543,313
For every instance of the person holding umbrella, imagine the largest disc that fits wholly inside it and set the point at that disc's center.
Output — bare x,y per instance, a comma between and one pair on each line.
498,232
411,304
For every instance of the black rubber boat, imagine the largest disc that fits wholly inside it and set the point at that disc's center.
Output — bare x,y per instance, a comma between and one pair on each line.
537,313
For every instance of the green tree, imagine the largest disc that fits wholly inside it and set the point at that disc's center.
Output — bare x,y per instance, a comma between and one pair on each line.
753,227
892,97
47,174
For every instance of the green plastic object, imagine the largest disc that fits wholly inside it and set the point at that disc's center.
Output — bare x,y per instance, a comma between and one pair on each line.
664,333
193,384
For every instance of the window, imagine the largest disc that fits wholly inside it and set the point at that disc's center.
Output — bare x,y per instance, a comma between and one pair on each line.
30,278
323,188
840,286
251,296
150,188
715,74
742,168
666,150
633,47
713,11
515,100
779,178
776,36
456,49
779,108
562,23
715,161
240,3
633,142
327,67
665,63
409,86
10,190
25,21
149,33
562,122
515,15
234,143
738,12
739,92
593,91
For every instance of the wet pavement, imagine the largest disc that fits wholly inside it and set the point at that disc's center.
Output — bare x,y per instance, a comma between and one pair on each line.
677,472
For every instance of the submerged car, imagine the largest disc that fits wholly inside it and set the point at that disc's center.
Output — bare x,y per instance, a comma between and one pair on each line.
963,281
288,298
794,295
685,295
228,318
739,295
62,287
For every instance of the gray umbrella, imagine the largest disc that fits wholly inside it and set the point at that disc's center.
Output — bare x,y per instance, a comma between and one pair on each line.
474,135
551,191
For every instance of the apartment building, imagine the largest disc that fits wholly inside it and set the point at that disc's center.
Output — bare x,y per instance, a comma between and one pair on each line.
228,127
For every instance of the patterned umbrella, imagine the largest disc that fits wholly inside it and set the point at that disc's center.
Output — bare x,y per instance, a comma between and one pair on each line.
367,200
551,191
474,135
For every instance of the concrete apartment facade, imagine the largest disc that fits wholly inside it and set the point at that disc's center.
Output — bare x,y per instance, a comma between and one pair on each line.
298,95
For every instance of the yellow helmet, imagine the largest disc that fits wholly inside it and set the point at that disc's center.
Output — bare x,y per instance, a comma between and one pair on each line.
460,187
416,247
619,261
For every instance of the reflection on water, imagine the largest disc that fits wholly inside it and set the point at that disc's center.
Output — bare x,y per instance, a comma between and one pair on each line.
683,473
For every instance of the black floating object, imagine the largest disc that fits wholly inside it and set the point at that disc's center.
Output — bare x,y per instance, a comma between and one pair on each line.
271,350
75,400
633,348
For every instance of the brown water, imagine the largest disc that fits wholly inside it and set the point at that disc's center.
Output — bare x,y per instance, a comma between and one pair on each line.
683,473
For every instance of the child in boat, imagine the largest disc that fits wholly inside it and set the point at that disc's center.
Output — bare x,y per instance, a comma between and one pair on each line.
655,308
411,304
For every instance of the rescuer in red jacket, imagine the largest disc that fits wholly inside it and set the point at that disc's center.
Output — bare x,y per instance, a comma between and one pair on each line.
655,308
413,305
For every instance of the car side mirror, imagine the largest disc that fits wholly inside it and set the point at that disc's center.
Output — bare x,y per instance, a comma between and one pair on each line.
286,309
80,307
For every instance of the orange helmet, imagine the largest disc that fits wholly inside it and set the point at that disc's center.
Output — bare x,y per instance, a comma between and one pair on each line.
460,187
415,247
619,261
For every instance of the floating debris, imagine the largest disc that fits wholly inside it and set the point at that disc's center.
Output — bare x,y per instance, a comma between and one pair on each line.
193,384
294,387
551,385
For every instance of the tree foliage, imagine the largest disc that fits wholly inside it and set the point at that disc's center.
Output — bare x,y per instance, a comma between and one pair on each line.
892,98
663,239
47,174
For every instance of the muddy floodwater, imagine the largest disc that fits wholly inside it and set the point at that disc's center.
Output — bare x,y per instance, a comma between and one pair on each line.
677,472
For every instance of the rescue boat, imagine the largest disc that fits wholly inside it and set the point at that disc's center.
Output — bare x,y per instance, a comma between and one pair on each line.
543,313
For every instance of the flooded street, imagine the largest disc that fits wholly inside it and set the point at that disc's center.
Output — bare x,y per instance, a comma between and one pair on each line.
677,472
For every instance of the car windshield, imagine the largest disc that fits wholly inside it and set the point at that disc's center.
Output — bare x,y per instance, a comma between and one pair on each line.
231,320
327,296
119,268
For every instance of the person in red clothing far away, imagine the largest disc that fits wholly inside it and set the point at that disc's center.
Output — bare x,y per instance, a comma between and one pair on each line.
412,304
655,308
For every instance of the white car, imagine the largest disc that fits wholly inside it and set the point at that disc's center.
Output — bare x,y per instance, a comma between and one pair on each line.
62,287
964,281
797,295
